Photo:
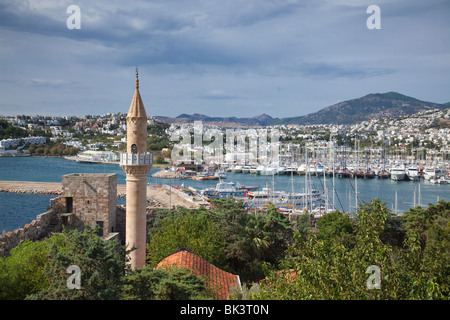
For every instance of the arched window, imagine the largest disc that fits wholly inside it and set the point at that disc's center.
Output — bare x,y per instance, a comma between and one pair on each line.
133,149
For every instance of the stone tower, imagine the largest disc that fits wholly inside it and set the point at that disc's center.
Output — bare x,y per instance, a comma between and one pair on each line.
136,163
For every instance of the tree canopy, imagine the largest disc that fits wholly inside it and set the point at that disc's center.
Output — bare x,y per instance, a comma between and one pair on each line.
375,255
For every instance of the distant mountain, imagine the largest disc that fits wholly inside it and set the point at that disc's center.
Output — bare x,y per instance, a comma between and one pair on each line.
371,106
260,120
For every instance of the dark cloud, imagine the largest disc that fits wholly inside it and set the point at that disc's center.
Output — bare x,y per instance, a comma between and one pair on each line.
332,71
230,53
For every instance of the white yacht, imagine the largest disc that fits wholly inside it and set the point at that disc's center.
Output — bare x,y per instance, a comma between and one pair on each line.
430,173
398,173
412,173
237,169
269,171
246,169
253,169
259,169
302,169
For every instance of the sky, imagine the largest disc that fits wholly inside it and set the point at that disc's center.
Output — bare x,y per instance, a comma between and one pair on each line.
242,58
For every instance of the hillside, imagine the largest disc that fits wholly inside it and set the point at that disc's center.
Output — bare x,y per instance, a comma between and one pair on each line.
371,106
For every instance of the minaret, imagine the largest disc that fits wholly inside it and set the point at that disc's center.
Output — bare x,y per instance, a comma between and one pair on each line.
136,163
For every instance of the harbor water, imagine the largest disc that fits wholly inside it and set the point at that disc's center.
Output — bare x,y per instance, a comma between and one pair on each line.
19,209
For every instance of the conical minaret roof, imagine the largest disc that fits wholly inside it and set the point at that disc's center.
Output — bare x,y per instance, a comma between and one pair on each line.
137,106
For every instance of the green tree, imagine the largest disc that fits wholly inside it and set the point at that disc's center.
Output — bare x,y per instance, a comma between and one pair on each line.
421,219
316,268
251,239
22,273
336,225
147,283
191,230
102,265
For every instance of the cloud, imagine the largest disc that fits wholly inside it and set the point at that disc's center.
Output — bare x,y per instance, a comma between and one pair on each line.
57,83
220,95
229,54
323,70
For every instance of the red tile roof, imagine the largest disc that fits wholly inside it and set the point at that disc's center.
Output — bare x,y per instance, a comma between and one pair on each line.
220,281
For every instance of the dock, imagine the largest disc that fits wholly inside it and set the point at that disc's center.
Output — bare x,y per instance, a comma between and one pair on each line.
160,195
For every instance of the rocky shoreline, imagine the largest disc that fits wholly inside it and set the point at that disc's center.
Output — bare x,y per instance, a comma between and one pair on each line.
31,191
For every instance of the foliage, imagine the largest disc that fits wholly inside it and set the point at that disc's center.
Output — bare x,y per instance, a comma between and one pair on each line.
251,239
191,230
52,149
421,220
412,253
320,267
336,226
22,273
8,130
155,143
226,236
163,284
101,262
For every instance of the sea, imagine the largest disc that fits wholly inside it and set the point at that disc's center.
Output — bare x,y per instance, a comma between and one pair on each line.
16,210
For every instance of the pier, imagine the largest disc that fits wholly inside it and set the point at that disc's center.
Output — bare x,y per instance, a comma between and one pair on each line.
161,196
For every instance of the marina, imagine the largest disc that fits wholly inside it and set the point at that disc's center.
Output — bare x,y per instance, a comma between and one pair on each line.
345,193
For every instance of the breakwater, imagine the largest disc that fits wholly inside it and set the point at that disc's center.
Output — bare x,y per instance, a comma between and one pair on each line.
158,196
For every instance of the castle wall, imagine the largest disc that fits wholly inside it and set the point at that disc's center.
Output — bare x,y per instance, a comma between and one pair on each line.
94,198
41,227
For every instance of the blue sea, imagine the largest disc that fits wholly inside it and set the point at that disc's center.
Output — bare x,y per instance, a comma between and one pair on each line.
16,210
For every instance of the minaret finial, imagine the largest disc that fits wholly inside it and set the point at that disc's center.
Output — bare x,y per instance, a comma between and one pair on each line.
137,78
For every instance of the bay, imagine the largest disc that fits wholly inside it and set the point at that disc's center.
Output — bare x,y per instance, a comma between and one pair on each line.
19,209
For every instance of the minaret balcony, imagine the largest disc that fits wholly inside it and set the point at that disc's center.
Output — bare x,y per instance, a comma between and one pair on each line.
136,159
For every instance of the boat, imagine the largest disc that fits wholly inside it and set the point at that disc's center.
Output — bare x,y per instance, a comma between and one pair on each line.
210,175
301,170
383,174
268,171
398,173
443,180
259,169
320,170
369,175
344,173
412,173
246,169
430,173
237,169
440,180
282,199
358,174
205,177
253,169
226,190
291,170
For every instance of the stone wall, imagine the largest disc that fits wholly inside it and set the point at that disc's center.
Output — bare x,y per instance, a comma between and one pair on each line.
53,220
94,198
44,224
